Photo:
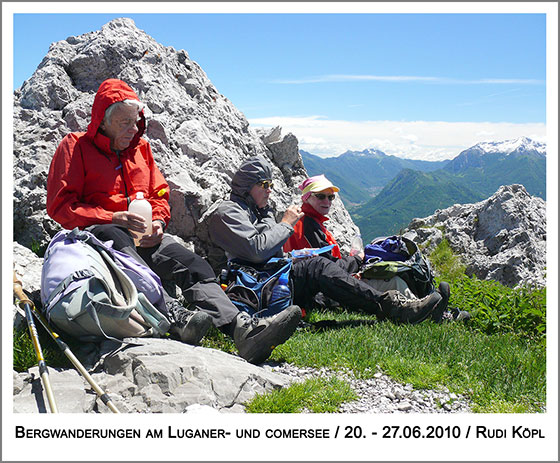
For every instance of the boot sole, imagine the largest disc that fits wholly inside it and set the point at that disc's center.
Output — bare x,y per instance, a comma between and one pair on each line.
260,349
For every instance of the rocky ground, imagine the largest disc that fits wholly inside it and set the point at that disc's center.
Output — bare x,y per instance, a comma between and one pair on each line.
381,394
502,238
156,386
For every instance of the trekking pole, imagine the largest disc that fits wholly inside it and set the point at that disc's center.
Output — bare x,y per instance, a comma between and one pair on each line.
26,305
69,354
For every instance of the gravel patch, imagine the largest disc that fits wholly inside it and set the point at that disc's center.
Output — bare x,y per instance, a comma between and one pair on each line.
381,394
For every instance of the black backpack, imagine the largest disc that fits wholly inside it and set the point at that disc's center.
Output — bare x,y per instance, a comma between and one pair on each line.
414,268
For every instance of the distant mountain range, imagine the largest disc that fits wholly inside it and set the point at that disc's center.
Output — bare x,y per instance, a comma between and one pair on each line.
362,174
475,174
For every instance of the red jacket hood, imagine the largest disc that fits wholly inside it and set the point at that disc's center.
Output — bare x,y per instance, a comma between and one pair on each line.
111,91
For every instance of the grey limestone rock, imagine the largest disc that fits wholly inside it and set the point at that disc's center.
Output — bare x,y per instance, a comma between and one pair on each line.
197,135
27,267
69,391
502,238
152,376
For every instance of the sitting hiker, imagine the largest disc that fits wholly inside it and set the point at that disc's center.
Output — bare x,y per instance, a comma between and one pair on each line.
318,194
245,228
93,177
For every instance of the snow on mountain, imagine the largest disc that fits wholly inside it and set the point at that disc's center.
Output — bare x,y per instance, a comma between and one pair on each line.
370,152
522,144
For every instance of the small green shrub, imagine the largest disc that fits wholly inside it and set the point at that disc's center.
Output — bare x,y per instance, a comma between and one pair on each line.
446,263
498,309
215,339
494,307
24,356
38,249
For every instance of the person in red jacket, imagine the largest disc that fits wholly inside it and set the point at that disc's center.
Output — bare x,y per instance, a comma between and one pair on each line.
92,179
317,195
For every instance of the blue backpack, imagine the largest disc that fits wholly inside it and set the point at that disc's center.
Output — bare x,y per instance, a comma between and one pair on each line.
251,289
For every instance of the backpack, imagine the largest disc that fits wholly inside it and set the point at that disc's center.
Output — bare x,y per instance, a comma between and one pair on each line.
93,292
409,264
250,289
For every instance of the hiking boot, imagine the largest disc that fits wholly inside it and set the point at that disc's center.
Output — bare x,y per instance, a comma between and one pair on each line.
189,326
456,315
445,292
397,307
256,338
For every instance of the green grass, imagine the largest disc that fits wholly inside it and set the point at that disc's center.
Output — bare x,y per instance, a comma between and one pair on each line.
497,371
498,309
24,356
215,339
495,308
446,263
497,359
318,395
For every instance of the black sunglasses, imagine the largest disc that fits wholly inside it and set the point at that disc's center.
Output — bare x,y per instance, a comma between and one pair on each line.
321,196
266,184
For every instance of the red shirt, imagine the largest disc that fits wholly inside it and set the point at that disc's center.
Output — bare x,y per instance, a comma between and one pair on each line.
310,232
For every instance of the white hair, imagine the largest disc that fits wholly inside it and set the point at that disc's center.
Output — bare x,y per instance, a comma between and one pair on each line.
128,102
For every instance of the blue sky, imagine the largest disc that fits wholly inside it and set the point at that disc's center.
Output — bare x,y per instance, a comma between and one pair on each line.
415,85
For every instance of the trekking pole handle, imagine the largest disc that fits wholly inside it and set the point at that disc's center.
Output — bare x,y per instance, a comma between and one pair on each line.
18,290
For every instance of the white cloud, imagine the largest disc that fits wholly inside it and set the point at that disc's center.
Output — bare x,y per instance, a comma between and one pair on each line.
414,140
405,79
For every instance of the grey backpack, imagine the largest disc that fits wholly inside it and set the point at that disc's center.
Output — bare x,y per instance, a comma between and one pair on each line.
92,292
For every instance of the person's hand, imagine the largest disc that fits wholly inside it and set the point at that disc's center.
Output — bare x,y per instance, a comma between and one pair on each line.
292,215
155,238
134,222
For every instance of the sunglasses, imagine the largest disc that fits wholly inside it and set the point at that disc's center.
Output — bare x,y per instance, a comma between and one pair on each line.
322,196
266,184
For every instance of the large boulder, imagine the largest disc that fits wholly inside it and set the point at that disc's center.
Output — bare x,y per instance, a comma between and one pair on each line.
502,238
152,376
197,135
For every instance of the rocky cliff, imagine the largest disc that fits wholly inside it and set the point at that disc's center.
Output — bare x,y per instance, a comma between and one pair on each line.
197,135
502,238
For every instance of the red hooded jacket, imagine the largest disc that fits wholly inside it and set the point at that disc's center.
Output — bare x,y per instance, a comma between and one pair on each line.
87,181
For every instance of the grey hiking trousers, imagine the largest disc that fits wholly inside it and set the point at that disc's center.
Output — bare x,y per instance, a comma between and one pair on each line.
173,262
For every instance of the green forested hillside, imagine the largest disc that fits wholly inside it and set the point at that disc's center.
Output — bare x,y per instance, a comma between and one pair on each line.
498,170
411,194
